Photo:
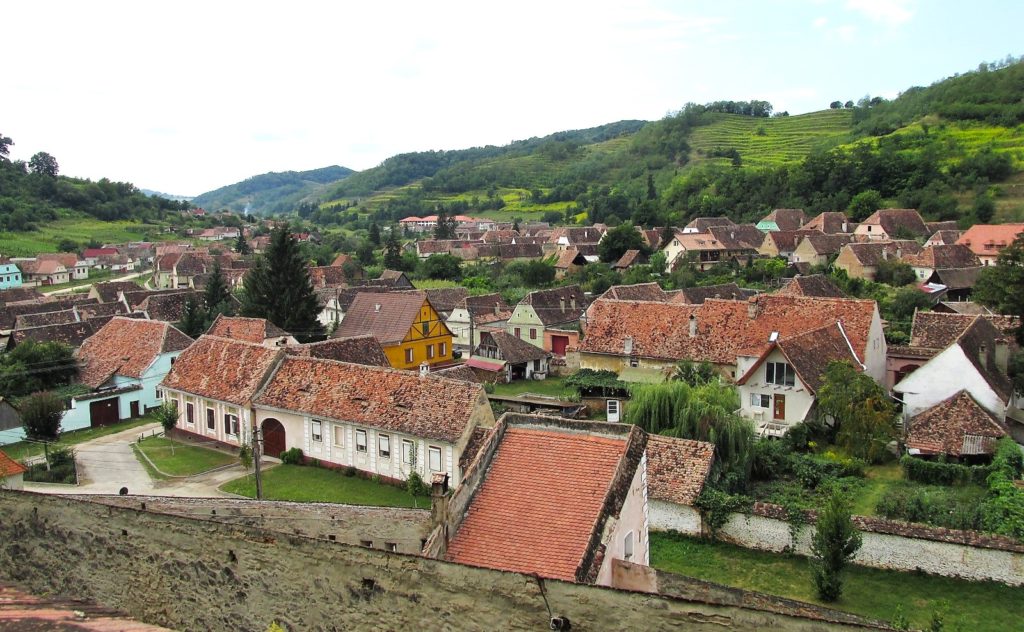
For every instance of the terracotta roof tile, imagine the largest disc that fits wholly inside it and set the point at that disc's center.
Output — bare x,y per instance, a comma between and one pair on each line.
402,401
677,468
787,219
810,354
944,237
357,350
697,295
73,334
20,295
943,428
43,319
830,223
630,258
569,257
813,285
892,220
90,311
10,312
10,467
457,372
512,349
637,292
222,369
989,239
536,509
126,346
943,256
168,306
246,329
327,276
520,251
476,441
874,252
556,306
826,244
702,224
387,317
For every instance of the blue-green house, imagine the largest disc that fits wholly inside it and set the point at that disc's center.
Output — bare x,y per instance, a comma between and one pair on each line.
10,276
782,219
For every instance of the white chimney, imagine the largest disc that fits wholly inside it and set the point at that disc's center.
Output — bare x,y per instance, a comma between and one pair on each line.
561,302
572,302
627,345
693,325
376,307
424,369
845,226
496,306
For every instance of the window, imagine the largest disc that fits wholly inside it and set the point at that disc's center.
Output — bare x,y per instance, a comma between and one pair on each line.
533,333
627,546
211,419
159,394
190,413
316,431
430,351
367,543
391,546
231,424
360,441
634,362
779,373
407,451
443,349
518,333
758,400
435,459
408,356
384,446
339,435
536,365
426,329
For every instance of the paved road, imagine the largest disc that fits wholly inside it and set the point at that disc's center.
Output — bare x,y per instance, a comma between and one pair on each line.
127,277
107,464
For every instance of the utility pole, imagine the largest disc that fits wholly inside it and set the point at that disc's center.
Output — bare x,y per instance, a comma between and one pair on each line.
257,452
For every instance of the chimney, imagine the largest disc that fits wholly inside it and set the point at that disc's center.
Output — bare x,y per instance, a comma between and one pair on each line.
899,252
496,307
885,253
846,226
424,369
1002,355
627,345
561,302
376,307
752,308
572,303
439,500
983,354
693,325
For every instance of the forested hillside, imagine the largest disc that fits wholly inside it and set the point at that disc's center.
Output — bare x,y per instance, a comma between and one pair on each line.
274,192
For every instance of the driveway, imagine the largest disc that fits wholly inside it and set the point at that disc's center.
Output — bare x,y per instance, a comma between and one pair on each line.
127,277
107,464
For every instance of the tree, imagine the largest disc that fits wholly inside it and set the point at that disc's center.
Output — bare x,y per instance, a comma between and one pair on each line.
36,366
242,244
693,373
194,321
1001,287
618,240
445,228
864,204
835,105
217,295
278,288
67,245
167,416
834,543
392,252
895,273
43,164
864,415
5,147
442,267
848,105
41,415
374,234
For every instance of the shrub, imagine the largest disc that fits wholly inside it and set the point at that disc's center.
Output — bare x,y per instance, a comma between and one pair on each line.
958,508
938,473
415,485
350,471
716,506
292,456
770,461
834,543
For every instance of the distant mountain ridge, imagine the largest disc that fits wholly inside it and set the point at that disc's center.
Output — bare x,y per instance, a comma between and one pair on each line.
168,196
277,191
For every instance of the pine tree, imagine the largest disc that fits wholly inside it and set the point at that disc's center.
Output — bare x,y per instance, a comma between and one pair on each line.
194,321
217,295
241,245
278,288
392,252
374,234
833,545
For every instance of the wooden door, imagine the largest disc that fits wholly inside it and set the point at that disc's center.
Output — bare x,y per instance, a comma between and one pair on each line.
780,406
134,407
559,344
103,412
273,437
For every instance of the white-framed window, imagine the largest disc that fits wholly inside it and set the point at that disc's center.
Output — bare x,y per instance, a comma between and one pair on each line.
339,436
190,413
408,356
231,424
757,400
407,450
444,349
627,546
211,419
430,351
434,458
383,446
360,441
159,393
779,373
316,430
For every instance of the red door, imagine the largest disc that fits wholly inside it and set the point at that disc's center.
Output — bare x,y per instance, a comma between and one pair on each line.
559,345
103,412
273,437
780,407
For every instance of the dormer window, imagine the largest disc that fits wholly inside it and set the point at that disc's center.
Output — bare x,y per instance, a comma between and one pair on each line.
779,373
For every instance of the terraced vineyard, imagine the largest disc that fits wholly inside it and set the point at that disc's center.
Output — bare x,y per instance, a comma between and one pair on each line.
766,142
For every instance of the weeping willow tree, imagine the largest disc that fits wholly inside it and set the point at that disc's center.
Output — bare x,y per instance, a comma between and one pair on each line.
703,413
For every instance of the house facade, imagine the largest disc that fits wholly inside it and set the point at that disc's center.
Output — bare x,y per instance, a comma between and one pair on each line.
986,241
472,314
893,223
406,325
508,358
545,310
10,276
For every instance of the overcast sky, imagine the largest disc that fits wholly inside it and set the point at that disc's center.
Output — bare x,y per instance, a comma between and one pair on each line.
184,97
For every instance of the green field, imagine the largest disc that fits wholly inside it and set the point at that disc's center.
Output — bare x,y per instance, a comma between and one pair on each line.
174,458
80,229
313,484
869,592
763,142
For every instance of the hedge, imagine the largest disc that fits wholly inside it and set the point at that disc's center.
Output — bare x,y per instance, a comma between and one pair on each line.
938,473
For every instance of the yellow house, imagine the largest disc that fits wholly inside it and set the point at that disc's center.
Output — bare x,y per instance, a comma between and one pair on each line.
405,324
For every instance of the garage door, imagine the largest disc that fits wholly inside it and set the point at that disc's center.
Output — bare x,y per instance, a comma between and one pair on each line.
103,412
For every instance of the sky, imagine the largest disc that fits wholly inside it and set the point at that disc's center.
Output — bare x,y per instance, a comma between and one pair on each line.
184,97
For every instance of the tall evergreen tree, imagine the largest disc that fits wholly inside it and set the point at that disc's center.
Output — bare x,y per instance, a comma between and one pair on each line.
217,295
374,234
278,288
241,245
194,321
392,252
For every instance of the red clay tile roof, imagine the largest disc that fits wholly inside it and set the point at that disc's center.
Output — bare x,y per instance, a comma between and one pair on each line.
830,223
89,311
810,354
697,295
536,509
166,262
787,219
499,236
873,252
222,369
401,401
945,237
168,306
784,240
520,251
677,468
44,319
445,299
630,258
341,260
476,441
637,292
457,372
826,244
246,329
10,467
73,334
569,257
943,257
892,220
19,295
486,305
387,317
327,276
945,428
510,348
944,225
556,306
357,350
813,285
989,239
934,330
702,224
126,346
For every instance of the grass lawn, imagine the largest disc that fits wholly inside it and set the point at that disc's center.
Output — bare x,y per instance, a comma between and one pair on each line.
869,592
181,459
878,480
552,387
304,483
23,450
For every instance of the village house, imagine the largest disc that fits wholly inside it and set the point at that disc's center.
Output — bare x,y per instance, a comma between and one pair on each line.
12,473
861,260
569,261
212,384
381,421
77,269
123,363
697,295
957,427
473,313
406,325
783,219
986,241
941,257
943,238
10,275
707,249
780,243
704,224
335,301
817,249
813,285
549,319
570,518
629,259
889,224
42,271
501,357
111,291
779,389
256,330
92,255
831,223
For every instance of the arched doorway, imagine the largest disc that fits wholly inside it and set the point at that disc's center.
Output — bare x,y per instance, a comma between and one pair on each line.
273,437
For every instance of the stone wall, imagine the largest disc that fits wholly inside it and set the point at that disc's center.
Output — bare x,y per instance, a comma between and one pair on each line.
668,516
193,574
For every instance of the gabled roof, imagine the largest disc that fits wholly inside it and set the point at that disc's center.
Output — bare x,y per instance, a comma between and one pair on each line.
956,426
19,295
192,263
575,235
784,240
831,223
394,278
738,236
941,225
873,252
166,262
401,401
787,219
222,369
569,257
486,308
168,306
637,292
946,237
555,306
697,295
327,276
108,292
702,224
341,260
10,311
989,239
499,236
10,467
956,278
629,258
512,349
979,345
357,350
944,257
73,334
246,329
126,346
826,244
41,266
813,285
520,251
547,492
810,353
892,220
677,468
387,317
445,299
44,319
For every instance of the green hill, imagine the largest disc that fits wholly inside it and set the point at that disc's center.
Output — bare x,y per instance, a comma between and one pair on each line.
273,192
